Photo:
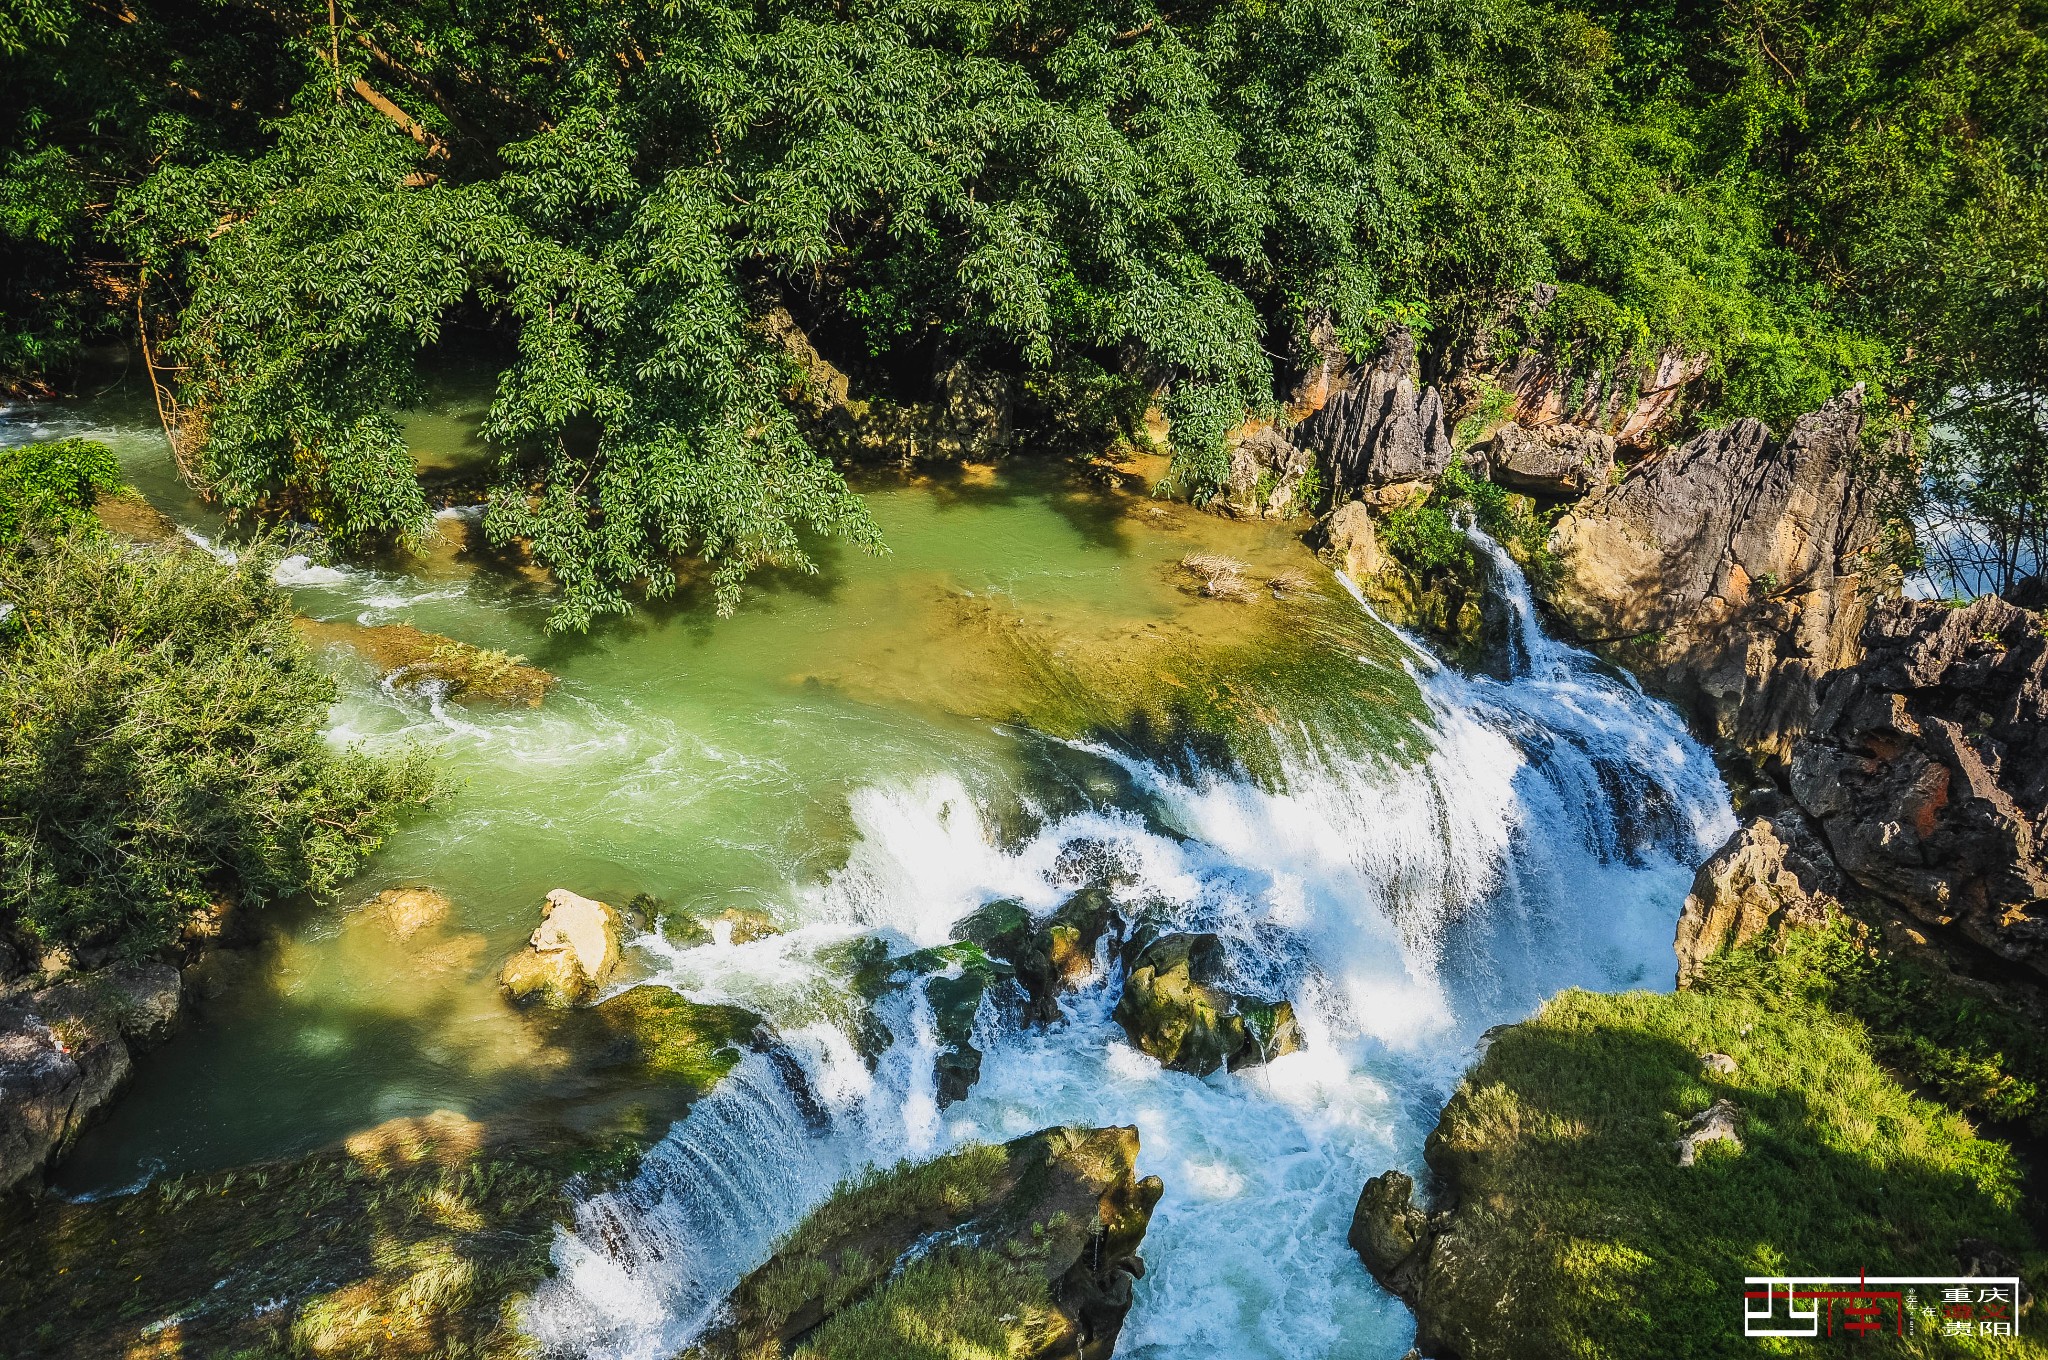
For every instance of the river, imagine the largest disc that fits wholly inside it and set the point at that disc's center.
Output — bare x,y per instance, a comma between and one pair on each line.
993,709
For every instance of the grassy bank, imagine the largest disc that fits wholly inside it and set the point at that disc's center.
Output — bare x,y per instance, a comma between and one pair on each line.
1577,1233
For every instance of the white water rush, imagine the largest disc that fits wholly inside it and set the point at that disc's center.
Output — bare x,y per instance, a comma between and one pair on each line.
1544,840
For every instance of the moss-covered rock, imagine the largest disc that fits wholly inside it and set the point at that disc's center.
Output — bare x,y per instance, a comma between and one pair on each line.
1025,1250
415,1238
1051,957
1172,1009
1569,1223
955,979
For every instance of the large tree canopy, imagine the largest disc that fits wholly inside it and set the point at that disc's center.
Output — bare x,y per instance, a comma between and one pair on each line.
1808,193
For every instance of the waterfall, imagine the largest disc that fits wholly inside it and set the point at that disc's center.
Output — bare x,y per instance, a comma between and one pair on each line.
1544,839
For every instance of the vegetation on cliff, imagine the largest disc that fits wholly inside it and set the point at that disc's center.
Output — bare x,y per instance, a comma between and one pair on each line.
1088,201
1575,1229
165,749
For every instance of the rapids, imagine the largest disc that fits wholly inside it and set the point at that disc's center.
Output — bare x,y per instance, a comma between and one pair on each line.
1422,856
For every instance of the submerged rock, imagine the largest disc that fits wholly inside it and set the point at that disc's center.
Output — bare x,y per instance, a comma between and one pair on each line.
1172,1010
569,957
407,656
66,1050
403,913
1025,1250
1774,874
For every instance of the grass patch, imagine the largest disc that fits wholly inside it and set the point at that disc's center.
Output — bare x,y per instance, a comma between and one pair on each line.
1583,1237
1953,1041
957,1302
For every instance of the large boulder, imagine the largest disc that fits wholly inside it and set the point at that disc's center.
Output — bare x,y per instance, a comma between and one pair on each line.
403,913
1774,874
1173,1008
955,978
65,1051
1927,770
1732,572
1352,541
1026,1250
1381,427
1551,461
569,957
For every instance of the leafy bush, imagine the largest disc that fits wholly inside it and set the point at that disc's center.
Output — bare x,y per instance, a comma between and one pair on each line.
164,747
50,487
1426,536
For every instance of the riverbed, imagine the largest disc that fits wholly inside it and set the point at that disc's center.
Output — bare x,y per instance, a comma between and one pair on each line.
1024,695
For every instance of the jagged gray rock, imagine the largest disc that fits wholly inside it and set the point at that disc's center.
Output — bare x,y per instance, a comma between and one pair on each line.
1556,460
1718,1123
1926,769
1732,572
1382,427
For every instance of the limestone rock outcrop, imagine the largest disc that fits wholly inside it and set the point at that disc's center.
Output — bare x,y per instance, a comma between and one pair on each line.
66,1050
1174,1009
1382,427
410,658
1733,571
1926,769
570,955
1027,1249
1352,540
1774,874
1550,461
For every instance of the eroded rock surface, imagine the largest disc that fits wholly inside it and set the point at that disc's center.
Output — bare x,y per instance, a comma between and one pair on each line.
1733,571
66,1050
569,957
1927,770
1053,956
1026,1250
1552,461
1772,875
1382,427
409,657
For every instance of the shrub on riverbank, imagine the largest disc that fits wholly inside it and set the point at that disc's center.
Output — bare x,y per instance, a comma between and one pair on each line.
164,748
1577,1232
51,486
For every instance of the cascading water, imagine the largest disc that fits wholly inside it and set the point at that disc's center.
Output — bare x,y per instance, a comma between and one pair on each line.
1545,840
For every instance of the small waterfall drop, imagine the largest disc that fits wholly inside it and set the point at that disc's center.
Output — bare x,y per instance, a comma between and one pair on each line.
1544,840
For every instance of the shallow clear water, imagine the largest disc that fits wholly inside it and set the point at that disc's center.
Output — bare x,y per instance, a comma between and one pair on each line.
1425,855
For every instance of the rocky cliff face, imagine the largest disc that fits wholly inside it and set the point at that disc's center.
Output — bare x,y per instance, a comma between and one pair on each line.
1774,874
1926,769
1733,571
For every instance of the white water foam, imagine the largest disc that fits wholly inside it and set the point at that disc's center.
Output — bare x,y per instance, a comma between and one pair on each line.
1545,841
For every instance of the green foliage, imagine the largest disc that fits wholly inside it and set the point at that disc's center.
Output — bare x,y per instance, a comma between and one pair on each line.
1425,535
49,488
1950,1039
164,746
1106,204
1583,1235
